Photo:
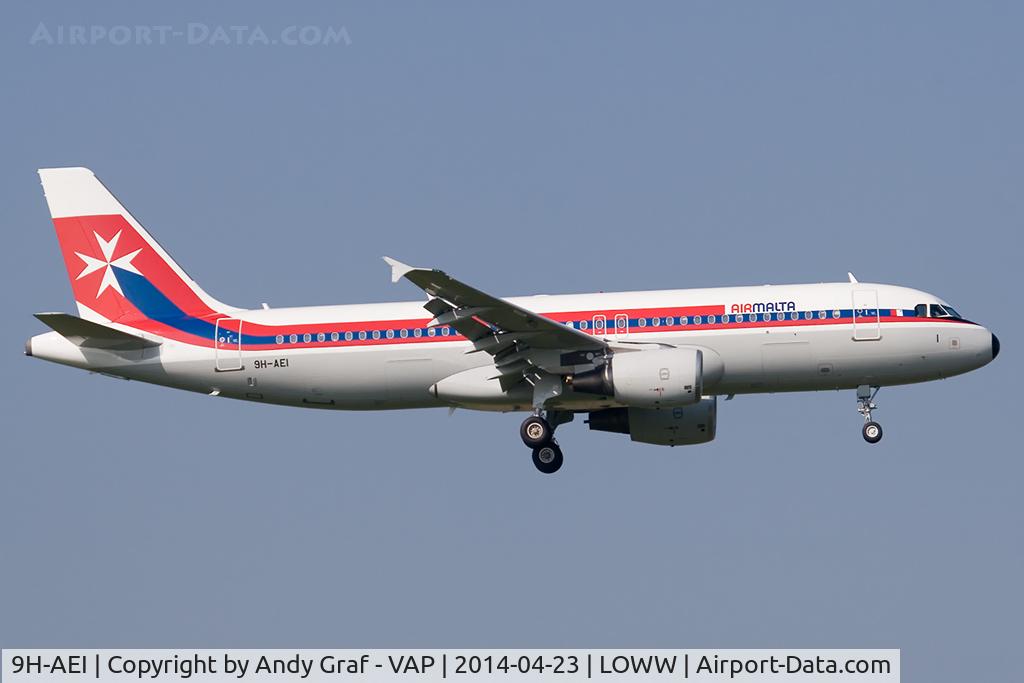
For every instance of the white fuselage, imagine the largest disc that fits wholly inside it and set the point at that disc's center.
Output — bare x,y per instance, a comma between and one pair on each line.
771,339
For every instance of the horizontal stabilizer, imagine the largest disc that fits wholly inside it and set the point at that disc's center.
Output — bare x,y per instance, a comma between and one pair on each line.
92,335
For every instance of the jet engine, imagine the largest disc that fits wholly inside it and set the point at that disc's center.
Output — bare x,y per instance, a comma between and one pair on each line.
678,426
651,378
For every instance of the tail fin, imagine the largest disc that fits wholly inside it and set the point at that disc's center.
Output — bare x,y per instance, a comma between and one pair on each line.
118,272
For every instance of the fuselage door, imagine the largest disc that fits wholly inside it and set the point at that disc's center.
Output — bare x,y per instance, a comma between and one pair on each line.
866,323
227,344
600,325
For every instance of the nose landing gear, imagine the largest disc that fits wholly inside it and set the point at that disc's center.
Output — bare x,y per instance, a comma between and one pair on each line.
872,431
538,433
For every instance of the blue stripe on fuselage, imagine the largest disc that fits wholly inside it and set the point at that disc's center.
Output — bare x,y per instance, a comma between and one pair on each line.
156,306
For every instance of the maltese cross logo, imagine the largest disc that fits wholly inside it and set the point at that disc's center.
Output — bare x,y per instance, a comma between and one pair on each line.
108,262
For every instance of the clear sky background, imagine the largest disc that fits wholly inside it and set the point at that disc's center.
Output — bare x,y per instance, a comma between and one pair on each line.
525,148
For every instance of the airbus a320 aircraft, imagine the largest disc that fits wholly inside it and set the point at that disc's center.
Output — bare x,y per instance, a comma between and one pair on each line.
647,364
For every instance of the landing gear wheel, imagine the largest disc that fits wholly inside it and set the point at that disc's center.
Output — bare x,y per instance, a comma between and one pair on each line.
535,431
872,432
548,458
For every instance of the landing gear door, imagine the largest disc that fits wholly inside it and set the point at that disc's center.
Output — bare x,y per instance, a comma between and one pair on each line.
227,342
866,321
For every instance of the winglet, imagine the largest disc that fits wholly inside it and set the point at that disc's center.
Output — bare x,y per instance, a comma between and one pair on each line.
398,269
853,280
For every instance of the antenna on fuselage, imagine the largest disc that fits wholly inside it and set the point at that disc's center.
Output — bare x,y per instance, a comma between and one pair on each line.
853,279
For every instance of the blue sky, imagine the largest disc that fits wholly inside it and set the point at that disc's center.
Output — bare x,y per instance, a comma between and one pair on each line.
525,148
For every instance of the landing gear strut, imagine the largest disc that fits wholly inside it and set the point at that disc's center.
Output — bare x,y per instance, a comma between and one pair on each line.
538,433
872,431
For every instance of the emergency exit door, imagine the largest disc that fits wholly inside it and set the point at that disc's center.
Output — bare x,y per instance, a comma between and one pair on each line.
621,324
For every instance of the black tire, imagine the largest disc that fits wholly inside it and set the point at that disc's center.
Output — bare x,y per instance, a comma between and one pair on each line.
872,432
548,458
535,432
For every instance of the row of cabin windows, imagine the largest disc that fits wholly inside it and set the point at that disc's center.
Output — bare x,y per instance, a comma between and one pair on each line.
714,319
364,334
619,323
921,311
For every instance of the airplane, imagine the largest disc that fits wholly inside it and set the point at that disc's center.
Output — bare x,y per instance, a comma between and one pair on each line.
649,364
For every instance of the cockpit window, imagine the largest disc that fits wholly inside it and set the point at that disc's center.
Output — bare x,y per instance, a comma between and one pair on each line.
939,311
936,311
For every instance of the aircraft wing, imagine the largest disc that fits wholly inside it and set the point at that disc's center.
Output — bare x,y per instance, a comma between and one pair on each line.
88,334
521,341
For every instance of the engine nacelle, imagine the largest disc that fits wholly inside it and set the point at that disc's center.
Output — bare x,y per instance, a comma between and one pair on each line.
647,379
679,426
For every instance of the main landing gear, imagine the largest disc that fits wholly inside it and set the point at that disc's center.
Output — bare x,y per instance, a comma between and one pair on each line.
538,433
872,431
548,458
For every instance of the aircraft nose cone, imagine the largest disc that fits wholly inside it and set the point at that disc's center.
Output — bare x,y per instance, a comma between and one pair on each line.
995,346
